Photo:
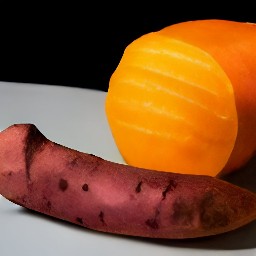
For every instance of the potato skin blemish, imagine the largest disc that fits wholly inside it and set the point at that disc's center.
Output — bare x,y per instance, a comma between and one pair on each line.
63,185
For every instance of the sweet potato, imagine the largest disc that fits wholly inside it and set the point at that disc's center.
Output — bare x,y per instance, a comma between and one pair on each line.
87,190
188,91
231,44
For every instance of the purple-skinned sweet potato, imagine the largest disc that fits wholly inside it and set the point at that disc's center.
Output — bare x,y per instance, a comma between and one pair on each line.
100,195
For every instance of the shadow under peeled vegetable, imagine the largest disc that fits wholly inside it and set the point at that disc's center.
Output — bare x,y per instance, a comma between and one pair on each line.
244,177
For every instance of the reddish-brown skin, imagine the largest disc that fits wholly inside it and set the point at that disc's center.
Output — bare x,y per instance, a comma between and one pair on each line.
44,176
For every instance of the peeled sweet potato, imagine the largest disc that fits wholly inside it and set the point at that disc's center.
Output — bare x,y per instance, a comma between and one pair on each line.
188,91
87,190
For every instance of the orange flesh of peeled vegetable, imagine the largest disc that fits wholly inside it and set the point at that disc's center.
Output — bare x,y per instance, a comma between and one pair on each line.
171,106
232,44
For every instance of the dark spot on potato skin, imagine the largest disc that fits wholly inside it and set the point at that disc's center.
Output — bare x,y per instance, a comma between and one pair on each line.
85,187
152,223
101,217
63,184
213,214
9,173
73,163
209,209
183,212
171,186
49,205
79,220
138,188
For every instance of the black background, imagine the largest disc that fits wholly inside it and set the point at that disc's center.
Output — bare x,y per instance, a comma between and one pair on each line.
81,45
